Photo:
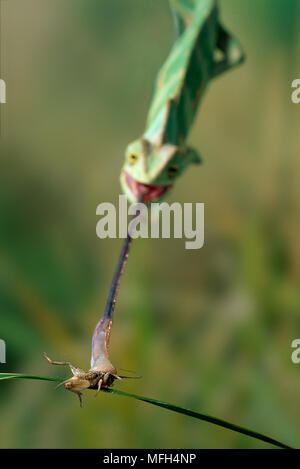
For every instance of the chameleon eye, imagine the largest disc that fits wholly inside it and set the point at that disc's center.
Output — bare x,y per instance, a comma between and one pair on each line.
172,171
132,158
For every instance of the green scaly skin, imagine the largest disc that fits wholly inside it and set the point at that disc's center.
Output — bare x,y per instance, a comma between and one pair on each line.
203,50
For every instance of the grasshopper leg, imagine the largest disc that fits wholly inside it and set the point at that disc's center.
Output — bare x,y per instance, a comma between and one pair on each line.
75,371
79,394
99,386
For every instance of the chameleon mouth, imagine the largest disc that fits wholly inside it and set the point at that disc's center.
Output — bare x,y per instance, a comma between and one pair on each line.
146,192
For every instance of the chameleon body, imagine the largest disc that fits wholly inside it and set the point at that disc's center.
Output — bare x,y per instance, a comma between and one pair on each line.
153,161
202,51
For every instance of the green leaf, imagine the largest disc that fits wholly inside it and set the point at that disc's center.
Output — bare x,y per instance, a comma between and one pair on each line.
22,376
199,416
165,405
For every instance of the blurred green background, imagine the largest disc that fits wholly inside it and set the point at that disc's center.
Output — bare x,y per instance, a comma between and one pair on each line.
209,329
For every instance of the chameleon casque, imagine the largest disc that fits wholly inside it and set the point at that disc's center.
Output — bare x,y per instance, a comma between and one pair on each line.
203,50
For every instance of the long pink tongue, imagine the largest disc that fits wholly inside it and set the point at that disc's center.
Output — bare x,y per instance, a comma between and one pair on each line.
149,192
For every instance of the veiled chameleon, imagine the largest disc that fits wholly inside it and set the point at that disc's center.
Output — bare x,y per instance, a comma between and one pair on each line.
202,51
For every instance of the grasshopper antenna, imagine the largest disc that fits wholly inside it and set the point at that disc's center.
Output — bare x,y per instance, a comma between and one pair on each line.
130,377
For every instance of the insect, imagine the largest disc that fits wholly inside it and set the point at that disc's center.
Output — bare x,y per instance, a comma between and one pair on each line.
102,373
203,50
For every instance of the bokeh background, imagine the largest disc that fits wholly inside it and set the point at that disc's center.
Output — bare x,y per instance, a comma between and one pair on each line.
209,330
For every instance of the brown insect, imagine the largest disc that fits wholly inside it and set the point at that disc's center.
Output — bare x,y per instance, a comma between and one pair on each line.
102,373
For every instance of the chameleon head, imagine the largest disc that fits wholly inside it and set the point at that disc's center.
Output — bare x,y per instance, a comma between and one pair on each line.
150,170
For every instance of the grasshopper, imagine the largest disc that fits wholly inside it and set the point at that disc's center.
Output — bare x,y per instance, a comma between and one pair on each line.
102,373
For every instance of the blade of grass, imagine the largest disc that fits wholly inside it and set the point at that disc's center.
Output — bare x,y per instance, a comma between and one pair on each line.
200,416
22,376
165,405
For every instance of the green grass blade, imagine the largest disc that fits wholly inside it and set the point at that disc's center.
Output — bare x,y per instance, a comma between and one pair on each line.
206,418
165,405
22,376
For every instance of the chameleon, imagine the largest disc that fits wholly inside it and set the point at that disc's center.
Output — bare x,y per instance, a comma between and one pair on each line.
203,50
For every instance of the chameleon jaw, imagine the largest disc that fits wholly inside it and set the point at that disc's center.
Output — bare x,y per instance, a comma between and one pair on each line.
137,190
